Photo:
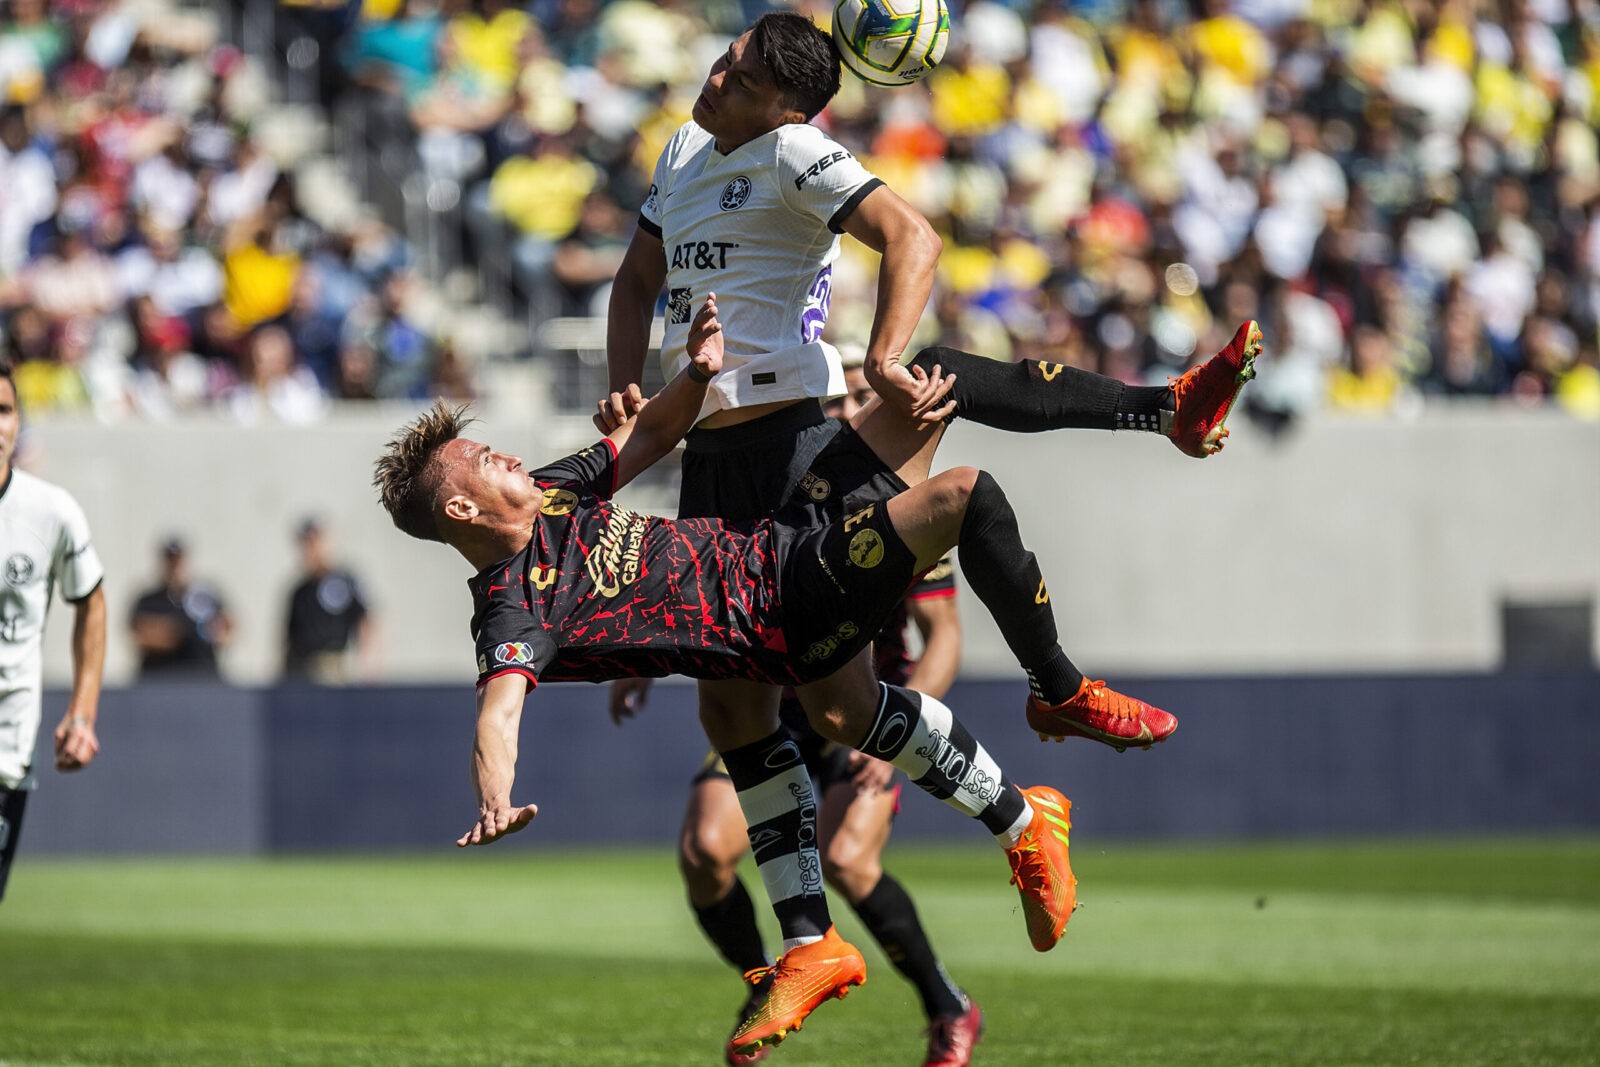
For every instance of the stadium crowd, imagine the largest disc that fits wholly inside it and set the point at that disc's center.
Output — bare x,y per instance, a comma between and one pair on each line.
1405,193
155,254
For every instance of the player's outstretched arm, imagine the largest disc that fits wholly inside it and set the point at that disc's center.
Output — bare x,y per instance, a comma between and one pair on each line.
75,741
632,308
671,413
494,761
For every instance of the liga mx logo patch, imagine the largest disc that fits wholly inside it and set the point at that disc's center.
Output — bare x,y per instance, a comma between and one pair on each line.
513,652
735,193
19,569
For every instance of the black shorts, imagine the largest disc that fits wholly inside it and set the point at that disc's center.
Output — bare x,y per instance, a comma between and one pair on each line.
746,471
838,584
795,464
12,804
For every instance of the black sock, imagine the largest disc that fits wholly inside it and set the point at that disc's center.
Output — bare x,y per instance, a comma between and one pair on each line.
890,916
730,926
1006,577
1031,397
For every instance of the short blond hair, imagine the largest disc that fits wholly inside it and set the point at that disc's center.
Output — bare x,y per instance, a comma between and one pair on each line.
409,474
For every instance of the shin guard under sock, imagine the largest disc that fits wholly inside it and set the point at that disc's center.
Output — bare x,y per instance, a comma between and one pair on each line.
781,810
1031,396
1006,577
922,737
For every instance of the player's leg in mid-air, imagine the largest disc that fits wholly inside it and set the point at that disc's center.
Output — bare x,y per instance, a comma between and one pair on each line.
858,810
1031,396
1062,702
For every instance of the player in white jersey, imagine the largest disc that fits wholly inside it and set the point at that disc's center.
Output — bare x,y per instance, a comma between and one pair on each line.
45,547
749,201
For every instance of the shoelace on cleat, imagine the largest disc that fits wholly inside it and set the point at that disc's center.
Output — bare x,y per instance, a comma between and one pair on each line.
1122,707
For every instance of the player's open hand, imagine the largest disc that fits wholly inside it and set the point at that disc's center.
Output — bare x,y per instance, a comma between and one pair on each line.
76,744
705,339
912,391
869,775
495,823
628,698
618,408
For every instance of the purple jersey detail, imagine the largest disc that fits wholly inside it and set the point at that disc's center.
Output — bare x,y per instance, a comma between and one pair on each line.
815,315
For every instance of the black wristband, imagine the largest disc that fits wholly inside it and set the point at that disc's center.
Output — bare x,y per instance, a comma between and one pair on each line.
696,374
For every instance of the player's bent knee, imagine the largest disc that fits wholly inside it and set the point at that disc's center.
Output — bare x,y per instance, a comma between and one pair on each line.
711,850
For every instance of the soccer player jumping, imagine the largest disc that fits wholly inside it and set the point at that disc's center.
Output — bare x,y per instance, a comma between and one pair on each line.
750,200
571,587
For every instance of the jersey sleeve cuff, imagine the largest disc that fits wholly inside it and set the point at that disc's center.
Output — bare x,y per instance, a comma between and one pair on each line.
932,594
533,681
610,444
836,222
87,595
649,227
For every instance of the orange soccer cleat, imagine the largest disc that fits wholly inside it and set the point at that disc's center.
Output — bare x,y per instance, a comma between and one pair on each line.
1101,714
803,978
1039,867
751,1005
1206,394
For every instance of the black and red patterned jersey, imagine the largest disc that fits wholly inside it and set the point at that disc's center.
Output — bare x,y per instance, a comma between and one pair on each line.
601,592
891,653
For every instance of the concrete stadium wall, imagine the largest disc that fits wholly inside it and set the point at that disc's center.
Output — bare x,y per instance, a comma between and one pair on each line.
1344,546
206,768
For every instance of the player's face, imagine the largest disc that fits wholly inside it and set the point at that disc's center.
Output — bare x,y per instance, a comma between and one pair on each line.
856,392
10,423
739,102
494,481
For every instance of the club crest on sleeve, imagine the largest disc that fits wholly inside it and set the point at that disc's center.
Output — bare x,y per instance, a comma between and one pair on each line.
511,652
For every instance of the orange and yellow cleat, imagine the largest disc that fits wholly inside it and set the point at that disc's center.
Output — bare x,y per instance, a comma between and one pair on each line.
1206,394
1039,867
1101,714
802,979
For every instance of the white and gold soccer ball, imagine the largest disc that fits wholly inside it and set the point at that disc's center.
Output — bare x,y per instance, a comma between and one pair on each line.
890,42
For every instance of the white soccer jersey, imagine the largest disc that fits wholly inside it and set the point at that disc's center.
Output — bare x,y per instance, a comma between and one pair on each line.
760,228
44,546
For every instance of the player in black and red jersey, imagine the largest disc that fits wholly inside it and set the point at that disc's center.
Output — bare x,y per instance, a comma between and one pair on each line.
857,798
569,586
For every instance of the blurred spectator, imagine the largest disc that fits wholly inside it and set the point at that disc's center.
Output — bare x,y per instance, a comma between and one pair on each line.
328,617
272,384
179,626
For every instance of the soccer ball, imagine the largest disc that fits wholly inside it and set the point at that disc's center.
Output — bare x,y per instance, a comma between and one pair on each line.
890,42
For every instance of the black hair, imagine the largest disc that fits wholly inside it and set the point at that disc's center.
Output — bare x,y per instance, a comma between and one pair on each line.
800,58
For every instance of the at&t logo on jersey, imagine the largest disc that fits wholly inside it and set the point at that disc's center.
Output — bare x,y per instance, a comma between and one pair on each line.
702,255
513,652
734,194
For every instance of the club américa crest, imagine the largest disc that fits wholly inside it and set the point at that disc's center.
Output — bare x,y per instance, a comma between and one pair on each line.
735,193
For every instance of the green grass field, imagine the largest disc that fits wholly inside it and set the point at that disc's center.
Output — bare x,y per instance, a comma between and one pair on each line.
1459,952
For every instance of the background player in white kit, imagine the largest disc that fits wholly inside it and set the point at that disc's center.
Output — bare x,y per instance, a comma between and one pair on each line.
44,546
